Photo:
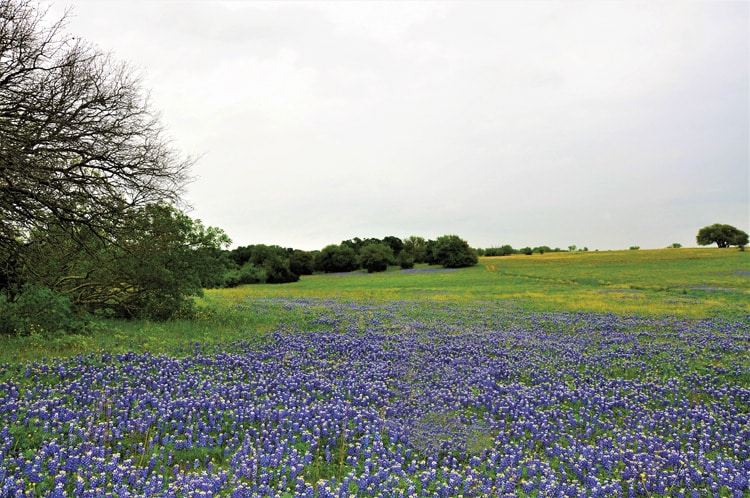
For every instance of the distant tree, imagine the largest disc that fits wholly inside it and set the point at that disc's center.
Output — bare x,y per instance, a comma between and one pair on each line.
451,251
405,260
526,250
542,249
375,256
355,244
246,274
417,248
336,258
674,245
278,270
572,248
506,250
430,256
634,248
302,262
394,243
722,236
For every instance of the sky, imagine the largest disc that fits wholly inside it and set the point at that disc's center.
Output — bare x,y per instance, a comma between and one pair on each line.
600,124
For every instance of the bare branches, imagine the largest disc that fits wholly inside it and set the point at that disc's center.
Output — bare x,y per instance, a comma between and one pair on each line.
79,142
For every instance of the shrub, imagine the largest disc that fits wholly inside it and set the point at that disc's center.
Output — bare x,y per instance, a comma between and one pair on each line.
375,257
336,258
39,310
278,271
301,262
451,251
406,260
248,274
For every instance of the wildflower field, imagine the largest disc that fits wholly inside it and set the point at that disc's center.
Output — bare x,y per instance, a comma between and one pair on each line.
498,380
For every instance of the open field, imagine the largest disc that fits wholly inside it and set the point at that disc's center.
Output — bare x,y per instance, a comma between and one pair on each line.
583,374
682,282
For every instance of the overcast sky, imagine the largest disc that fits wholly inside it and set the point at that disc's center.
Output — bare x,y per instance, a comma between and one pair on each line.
600,124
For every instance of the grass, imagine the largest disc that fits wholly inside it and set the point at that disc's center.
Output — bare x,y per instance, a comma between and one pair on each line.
690,283
686,283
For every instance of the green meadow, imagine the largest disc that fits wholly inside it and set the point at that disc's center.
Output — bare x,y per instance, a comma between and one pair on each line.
687,283
691,283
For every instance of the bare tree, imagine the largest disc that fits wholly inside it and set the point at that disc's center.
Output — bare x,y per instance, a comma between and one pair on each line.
79,143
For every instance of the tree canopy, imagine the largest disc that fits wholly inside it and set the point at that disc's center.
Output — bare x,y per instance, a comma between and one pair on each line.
722,235
89,183
79,143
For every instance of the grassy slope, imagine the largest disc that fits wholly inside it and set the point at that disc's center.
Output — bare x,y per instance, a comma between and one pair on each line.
691,283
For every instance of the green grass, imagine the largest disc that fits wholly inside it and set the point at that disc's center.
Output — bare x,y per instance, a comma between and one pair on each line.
690,283
687,283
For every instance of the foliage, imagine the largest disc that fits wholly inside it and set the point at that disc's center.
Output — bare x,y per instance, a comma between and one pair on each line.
405,260
722,235
542,249
151,264
302,262
674,245
336,258
80,145
375,256
416,247
505,250
247,274
38,310
278,270
395,243
528,251
451,251
275,261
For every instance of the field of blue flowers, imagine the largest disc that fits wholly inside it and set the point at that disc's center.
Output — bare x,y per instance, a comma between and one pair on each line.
394,399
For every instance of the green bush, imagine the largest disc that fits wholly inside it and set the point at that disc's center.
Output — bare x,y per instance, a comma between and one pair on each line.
247,274
375,256
451,251
302,262
406,260
39,310
278,270
336,258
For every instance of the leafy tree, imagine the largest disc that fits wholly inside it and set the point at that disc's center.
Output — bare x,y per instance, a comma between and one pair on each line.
405,260
375,256
278,270
430,256
246,274
674,245
302,262
80,145
336,258
394,243
452,251
149,266
526,250
417,248
722,236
